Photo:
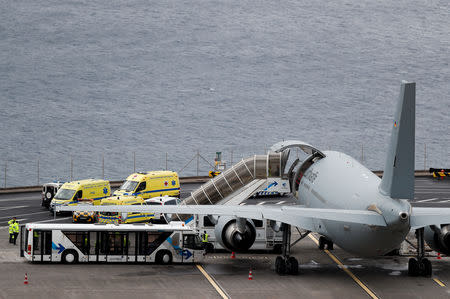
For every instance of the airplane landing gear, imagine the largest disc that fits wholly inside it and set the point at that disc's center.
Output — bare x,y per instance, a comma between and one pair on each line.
286,264
420,266
324,241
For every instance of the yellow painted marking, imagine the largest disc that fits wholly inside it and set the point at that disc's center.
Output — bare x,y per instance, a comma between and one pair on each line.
346,270
212,282
439,282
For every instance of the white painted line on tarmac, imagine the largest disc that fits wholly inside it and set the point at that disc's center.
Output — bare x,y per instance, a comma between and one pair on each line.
281,202
19,198
20,215
15,207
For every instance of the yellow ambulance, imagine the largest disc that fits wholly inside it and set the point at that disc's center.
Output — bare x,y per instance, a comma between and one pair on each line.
118,218
151,184
71,192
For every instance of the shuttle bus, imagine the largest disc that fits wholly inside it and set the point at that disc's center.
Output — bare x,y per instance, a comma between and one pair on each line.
145,243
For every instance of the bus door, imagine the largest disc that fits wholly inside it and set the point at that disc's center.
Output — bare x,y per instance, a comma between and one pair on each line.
102,246
142,240
131,246
23,240
116,247
93,248
46,244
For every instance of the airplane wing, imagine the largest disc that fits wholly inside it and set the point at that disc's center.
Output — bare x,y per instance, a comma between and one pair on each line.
421,217
296,216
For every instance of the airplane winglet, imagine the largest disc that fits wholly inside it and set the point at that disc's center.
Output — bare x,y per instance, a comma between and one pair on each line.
398,176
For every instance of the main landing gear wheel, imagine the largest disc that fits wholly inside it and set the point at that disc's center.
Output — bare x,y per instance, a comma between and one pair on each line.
324,241
286,264
420,266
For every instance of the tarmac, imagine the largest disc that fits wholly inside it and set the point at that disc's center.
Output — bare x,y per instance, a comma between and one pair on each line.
323,274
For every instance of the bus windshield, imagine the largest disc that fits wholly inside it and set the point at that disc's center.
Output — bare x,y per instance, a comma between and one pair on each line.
64,194
128,186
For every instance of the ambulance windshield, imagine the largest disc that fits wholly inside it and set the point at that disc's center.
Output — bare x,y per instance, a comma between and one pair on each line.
65,194
128,186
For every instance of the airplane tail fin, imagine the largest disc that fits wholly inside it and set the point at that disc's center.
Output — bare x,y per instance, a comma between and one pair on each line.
398,176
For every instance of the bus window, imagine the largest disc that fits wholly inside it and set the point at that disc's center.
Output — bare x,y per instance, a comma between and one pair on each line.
37,242
155,239
116,242
131,244
93,243
142,243
192,242
79,239
47,235
103,243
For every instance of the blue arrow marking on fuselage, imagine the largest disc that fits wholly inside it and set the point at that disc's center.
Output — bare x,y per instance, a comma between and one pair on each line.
273,184
59,247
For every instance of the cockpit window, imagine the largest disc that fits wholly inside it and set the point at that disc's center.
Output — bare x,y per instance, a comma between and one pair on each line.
128,186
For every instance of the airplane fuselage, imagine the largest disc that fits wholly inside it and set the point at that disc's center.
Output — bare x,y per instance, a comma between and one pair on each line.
338,181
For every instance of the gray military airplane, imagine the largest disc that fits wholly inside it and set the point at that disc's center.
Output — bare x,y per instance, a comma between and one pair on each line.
343,201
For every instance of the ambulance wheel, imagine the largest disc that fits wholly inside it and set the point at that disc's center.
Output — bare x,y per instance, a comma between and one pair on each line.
163,257
69,257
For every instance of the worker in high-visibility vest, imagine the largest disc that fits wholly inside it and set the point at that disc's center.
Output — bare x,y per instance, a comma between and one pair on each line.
15,227
11,230
205,241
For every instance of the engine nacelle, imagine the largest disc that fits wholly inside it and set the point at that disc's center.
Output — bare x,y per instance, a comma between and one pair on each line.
438,238
235,234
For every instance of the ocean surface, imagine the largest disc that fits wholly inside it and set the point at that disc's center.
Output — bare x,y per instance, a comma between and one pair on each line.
83,82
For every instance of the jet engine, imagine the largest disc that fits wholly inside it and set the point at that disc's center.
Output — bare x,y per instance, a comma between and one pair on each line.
438,238
235,234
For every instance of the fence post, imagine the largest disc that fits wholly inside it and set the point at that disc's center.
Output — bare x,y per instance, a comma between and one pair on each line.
198,160
38,172
71,168
166,160
231,162
425,156
362,153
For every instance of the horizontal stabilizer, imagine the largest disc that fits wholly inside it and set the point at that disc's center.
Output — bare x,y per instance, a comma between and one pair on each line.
421,217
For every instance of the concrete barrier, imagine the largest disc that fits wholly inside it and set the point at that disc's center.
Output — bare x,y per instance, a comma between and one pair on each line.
114,184
183,180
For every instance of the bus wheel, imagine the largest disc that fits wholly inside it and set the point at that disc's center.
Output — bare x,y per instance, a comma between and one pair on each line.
163,257
70,257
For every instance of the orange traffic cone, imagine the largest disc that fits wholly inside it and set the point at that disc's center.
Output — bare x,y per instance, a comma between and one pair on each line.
26,279
439,256
250,275
233,255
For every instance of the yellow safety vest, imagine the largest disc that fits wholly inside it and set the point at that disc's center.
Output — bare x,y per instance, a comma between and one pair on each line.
15,227
205,238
